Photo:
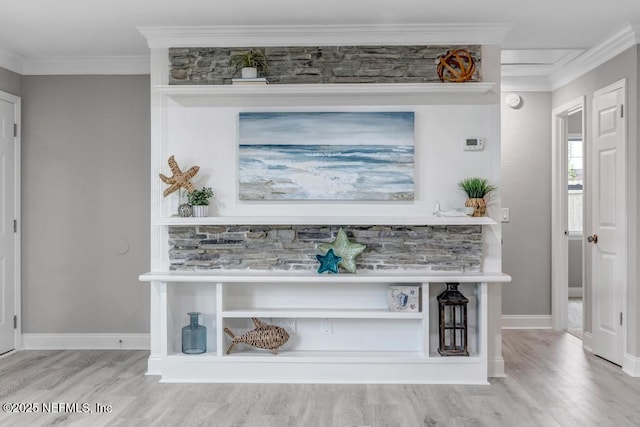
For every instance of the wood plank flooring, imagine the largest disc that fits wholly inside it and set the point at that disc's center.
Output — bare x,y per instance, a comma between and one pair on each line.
550,381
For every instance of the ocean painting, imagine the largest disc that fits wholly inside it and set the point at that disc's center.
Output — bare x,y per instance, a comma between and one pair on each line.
358,156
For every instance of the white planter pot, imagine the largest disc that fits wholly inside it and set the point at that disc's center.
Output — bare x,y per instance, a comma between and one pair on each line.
249,73
200,211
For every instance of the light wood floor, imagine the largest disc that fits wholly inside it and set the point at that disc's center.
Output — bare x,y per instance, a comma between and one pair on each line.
551,382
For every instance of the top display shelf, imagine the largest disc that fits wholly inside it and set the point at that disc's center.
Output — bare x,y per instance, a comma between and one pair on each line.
327,220
338,89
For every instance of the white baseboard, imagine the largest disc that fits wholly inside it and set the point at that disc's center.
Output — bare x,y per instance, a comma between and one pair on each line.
154,365
85,342
631,365
575,292
542,321
495,368
587,339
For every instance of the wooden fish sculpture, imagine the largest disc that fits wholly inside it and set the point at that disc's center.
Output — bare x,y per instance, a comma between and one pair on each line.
263,336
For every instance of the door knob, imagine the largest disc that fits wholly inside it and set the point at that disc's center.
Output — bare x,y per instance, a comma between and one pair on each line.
593,239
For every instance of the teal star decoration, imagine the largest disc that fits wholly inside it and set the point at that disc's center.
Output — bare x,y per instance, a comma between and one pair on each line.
328,262
345,249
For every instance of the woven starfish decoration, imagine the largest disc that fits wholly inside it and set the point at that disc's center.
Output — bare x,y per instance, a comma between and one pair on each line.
345,249
179,179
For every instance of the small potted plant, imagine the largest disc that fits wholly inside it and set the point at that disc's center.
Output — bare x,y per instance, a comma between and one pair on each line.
199,199
250,63
476,189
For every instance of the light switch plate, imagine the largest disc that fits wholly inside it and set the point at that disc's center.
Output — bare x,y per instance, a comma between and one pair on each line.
504,214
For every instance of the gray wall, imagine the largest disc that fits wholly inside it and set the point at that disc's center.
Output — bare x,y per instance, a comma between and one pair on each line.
10,82
626,66
85,197
526,191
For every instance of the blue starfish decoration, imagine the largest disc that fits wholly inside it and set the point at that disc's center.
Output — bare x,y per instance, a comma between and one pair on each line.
328,262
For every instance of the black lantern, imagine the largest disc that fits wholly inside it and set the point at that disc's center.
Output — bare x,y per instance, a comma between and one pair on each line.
452,306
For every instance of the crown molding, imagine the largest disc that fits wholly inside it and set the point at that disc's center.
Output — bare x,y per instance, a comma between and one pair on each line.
11,61
524,84
330,35
612,46
87,65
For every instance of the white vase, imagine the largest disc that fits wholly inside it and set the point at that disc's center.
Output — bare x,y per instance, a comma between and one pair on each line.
201,211
249,73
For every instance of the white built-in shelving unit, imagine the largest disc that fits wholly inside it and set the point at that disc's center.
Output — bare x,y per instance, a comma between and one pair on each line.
340,327
343,332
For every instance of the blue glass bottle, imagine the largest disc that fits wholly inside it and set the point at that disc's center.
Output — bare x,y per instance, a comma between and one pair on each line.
194,336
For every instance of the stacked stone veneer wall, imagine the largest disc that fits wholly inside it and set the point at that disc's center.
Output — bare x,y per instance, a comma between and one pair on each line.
275,247
317,64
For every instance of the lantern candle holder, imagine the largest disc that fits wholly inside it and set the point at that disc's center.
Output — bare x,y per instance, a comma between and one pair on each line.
452,306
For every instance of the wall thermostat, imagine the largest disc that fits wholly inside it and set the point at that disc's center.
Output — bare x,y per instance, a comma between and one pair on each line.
473,144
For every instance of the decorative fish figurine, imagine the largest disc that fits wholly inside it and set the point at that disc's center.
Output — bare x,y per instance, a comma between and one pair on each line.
263,336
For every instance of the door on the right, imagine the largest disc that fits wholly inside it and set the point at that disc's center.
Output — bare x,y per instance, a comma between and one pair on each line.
607,239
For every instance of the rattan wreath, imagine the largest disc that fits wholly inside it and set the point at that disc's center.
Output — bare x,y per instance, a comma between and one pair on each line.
456,66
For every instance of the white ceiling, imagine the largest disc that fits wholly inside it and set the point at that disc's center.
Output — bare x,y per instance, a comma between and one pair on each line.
35,29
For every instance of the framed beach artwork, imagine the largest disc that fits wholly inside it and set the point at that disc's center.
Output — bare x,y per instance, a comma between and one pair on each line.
348,156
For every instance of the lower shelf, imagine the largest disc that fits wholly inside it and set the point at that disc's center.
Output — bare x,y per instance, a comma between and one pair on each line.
323,314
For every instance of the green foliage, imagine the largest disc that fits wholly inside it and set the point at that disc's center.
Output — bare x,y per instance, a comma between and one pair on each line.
476,188
255,59
200,197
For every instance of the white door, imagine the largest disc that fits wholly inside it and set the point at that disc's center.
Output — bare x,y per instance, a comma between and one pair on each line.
7,235
608,209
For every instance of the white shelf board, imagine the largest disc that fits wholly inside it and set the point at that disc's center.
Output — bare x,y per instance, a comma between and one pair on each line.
320,313
306,356
271,276
331,89
344,356
327,220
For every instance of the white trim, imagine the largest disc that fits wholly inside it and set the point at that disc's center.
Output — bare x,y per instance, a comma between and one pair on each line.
534,321
11,61
17,280
559,241
525,84
324,35
575,291
631,365
587,341
154,365
101,65
85,341
495,368
612,46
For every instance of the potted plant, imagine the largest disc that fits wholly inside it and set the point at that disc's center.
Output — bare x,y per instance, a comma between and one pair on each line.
250,63
199,199
476,189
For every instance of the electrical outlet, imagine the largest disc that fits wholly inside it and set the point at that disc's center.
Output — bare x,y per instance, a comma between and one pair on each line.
326,326
287,323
